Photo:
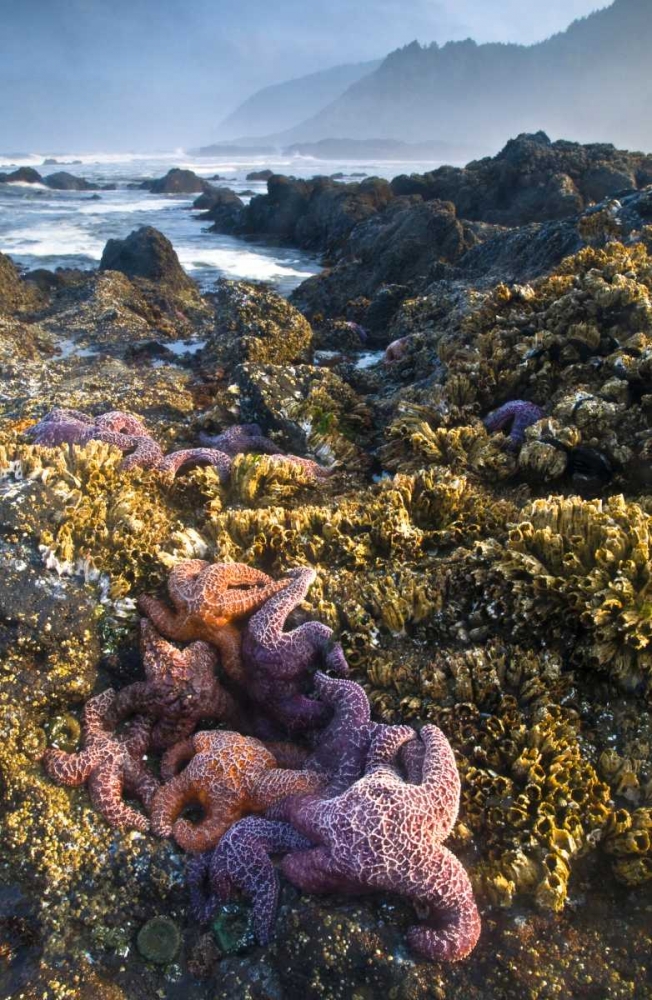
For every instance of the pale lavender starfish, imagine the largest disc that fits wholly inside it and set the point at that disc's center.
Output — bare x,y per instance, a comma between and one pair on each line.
386,833
520,414
278,663
241,861
123,430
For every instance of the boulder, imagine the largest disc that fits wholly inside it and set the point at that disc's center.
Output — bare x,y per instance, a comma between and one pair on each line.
259,175
27,175
253,323
177,181
221,206
147,253
63,181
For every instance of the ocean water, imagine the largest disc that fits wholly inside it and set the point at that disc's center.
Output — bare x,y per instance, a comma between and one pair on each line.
44,228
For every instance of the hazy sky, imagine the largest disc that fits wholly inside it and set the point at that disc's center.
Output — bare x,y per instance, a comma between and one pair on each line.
147,74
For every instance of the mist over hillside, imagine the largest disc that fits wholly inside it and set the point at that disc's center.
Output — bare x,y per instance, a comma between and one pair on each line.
281,106
592,82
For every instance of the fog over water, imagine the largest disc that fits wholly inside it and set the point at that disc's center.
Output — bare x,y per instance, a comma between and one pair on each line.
155,74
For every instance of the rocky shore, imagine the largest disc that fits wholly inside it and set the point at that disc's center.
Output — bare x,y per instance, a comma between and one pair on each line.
473,370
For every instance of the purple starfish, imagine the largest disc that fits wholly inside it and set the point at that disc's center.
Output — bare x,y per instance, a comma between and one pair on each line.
239,439
386,833
241,861
243,438
121,429
277,663
520,414
190,458
342,748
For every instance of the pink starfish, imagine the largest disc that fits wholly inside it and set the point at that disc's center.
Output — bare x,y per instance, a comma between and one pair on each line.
111,764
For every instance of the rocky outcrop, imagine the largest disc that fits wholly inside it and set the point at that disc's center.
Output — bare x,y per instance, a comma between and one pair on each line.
63,181
532,180
24,175
146,253
315,214
222,207
177,181
252,323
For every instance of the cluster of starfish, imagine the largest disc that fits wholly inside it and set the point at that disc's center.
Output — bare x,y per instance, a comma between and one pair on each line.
129,434
352,805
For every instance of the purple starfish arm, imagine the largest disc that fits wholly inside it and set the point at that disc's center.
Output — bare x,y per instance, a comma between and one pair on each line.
520,414
61,426
121,423
239,439
278,663
190,458
144,452
386,834
341,749
241,861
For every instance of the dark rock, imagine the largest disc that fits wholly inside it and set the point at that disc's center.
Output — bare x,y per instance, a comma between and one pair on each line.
146,253
316,214
25,174
259,175
177,181
222,207
532,180
63,181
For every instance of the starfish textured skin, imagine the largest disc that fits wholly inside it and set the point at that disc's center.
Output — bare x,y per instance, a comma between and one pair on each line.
241,861
386,833
342,748
110,764
123,430
207,599
278,663
240,439
520,414
243,438
228,776
191,458
181,688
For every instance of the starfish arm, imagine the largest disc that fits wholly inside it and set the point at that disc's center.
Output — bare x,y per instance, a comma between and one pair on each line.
335,661
228,641
139,781
69,768
279,783
203,901
146,454
267,624
313,870
308,814
105,787
173,624
121,423
385,745
441,777
448,897
191,458
347,698
176,758
168,802
286,754
132,699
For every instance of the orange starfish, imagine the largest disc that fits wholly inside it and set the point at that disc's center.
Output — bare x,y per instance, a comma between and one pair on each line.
228,776
207,598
